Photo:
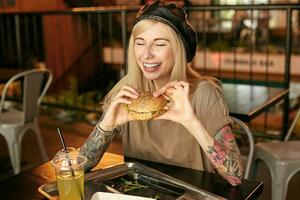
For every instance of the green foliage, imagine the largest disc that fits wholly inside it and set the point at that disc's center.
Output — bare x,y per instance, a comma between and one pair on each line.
125,186
72,98
75,106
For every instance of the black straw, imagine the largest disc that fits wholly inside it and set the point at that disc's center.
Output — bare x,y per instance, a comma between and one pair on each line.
66,150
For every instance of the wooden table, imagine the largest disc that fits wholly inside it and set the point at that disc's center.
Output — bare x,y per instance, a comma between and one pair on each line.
248,101
25,185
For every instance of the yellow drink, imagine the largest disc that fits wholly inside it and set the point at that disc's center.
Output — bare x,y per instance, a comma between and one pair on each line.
69,187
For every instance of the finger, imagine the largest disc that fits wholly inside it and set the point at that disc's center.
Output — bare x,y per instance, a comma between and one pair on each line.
166,97
178,87
168,107
170,91
159,92
131,88
126,93
181,83
164,88
185,85
128,88
123,100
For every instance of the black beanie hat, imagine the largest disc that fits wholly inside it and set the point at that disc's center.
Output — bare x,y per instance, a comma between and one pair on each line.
175,17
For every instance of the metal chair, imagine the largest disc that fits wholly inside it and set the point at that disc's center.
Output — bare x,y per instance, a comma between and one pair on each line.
238,127
15,123
282,159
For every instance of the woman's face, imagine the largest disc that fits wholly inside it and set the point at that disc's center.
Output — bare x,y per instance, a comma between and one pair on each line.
154,54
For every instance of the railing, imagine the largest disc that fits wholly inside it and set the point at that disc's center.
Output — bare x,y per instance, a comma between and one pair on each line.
86,48
72,44
253,42
258,65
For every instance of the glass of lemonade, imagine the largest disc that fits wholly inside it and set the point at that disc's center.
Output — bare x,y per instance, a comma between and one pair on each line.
71,150
70,176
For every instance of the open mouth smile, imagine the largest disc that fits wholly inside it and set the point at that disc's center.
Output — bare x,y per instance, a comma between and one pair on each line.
151,67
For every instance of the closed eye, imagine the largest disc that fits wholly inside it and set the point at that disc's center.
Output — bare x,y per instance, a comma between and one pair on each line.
160,45
139,41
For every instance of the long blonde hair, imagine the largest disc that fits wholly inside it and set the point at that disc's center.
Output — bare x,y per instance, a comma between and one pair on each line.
182,71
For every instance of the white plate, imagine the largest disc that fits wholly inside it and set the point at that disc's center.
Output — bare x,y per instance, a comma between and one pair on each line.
112,196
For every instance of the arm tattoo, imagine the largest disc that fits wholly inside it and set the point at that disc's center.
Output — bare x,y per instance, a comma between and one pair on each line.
95,146
225,156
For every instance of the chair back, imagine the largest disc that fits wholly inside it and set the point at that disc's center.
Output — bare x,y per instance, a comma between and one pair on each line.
35,85
291,129
239,125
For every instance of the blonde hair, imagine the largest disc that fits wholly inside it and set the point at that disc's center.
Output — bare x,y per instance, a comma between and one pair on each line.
181,70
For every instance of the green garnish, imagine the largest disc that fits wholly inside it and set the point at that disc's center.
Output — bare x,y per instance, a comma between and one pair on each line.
157,196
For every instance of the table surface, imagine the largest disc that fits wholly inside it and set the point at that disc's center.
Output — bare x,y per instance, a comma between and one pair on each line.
248,101
25,185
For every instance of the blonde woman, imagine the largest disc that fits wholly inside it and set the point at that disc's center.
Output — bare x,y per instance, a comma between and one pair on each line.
195,132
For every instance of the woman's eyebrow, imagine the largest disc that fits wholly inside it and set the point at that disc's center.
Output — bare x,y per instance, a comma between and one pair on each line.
165,39
138,38
156,39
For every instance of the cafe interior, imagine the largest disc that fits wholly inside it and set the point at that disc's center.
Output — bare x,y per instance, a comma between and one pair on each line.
59,58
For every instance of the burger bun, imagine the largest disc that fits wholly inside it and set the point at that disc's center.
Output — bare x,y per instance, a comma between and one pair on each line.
146,106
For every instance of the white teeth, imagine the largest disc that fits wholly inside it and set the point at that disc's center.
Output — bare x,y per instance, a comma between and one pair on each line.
151,65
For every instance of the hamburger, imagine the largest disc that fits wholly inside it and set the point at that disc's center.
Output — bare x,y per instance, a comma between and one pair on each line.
146,106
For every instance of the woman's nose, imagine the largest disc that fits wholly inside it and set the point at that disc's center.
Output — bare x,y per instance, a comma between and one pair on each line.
148,52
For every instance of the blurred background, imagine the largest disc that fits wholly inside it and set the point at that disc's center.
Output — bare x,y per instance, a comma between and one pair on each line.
84,42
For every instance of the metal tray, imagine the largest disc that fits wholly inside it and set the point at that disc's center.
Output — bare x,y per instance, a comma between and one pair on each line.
157,184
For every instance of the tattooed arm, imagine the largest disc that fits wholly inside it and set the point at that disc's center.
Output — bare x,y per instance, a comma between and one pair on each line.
95,146
110,123
225,156
222,151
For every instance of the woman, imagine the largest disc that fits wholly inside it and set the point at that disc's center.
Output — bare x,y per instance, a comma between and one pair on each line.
195,131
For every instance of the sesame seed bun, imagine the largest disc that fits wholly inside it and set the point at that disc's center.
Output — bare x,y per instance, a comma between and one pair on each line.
146,106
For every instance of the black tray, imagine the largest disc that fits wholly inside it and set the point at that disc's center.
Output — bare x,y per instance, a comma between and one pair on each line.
153,182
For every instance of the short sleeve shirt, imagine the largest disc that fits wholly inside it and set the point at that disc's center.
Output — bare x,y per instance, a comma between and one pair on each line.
169,142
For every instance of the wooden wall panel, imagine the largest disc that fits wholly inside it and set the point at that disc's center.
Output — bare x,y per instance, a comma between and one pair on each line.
34,5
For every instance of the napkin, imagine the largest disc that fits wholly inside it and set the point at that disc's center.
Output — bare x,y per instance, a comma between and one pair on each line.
112,196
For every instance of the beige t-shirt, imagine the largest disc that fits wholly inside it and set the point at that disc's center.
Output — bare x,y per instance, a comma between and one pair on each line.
169,142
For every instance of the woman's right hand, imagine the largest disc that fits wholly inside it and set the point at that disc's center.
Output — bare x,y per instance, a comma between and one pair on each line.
116,115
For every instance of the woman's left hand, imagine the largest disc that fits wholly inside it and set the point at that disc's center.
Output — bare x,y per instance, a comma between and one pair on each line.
180,110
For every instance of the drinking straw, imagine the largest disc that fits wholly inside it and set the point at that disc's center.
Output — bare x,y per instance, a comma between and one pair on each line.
66,150
68,158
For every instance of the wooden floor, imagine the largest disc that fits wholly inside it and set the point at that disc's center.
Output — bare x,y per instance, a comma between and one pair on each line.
76,133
